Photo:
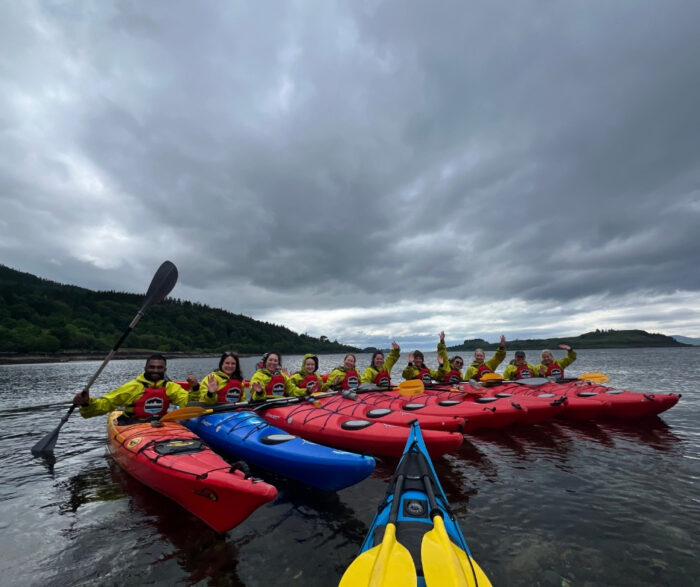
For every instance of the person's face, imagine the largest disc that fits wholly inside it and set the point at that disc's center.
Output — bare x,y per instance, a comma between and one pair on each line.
378,360
349,362
457,364
418,362
229,365
272,363
547,358
519,360
154,370
310,365
479,356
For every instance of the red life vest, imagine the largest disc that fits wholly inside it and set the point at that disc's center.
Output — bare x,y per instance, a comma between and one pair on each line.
309,382
276,385
482,370
351,380
424,375
153,403
453,376
382,379
231,392
554,370
523,372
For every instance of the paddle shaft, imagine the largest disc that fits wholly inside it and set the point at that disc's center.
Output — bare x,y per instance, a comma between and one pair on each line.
161,285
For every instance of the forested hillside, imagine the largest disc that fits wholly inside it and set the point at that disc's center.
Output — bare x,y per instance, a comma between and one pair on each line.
598,339
41,316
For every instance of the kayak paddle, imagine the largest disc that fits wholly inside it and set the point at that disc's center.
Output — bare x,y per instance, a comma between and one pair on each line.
594,377
388,564
444,563
161,285
196,411
411,387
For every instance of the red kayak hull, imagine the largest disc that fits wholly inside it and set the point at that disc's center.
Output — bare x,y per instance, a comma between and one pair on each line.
354,434
173,461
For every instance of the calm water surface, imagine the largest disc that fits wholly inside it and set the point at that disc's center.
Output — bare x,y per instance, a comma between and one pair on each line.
556,504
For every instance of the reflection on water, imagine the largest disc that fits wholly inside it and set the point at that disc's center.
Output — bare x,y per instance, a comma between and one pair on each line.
561,503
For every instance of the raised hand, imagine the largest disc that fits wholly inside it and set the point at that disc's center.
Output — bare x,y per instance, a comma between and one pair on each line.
212,385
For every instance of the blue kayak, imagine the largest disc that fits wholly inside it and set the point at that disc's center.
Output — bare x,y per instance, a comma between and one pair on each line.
414,538
245,435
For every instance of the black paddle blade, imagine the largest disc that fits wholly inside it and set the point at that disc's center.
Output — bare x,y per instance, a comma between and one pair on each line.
162,284
44,448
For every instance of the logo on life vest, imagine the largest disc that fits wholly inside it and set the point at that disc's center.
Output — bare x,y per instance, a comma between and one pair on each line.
133,442
383,381
454,379
426,378
233,395
278,389
153,405
352,381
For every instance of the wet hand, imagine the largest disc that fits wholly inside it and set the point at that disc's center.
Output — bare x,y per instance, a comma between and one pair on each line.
81,399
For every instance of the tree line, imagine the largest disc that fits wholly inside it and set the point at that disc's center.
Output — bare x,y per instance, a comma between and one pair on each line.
597,339
42,316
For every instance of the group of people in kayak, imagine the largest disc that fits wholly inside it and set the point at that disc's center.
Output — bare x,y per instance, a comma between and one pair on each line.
151,393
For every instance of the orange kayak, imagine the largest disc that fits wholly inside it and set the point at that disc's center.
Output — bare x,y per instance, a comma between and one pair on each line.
172,460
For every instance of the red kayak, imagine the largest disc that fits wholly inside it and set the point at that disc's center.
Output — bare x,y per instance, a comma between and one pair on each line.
622,404
359,408
479,412
354,434
568,405
172,460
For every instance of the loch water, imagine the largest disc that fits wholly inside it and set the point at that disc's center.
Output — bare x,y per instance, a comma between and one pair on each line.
557,504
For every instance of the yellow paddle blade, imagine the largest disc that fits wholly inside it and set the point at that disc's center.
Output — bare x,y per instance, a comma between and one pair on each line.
411,387
445,564
185,414
388,564
486,377
594,377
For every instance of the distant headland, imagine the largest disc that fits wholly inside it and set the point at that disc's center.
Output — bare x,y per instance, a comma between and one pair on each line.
598,339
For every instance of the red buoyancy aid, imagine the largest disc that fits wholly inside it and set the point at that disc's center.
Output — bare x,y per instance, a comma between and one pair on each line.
424,375
276,385
309,382
351,380
231,392
382,379
523,372
453,376
153,403
482,370
554,370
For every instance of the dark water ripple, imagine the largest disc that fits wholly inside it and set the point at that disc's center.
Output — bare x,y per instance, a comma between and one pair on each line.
613,503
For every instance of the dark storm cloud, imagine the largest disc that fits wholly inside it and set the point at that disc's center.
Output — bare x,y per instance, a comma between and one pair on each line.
372,169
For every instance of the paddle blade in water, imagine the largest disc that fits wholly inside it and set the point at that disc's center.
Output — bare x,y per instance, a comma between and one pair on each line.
388,564
594,377
411,387
447,565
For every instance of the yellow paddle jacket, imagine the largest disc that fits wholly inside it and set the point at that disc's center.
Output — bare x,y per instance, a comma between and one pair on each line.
264,376
300,375
492,363
370,373
411,371
221,380
512,370
127,394
563,362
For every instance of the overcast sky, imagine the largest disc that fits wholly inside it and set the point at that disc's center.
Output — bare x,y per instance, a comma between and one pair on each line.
366,171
